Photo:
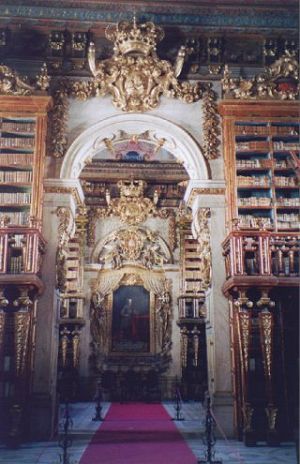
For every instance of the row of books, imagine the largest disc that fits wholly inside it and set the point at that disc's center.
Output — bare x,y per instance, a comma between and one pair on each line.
255,201
15,197
285,181
16,264
253,145
251,129
266,129
288,201
286,146
7,159
289,217
17,125
24,125
262,181
15,176
20,142
247,220
281,164
288,225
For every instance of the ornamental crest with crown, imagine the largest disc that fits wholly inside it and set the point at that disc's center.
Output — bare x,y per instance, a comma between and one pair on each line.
128,37
135,76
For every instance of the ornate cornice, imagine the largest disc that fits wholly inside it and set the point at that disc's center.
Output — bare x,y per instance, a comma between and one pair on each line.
204,191
203,16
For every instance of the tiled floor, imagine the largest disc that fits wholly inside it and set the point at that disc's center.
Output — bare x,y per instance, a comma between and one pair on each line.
192,428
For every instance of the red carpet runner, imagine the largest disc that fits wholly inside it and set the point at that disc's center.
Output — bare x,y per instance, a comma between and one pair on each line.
137,433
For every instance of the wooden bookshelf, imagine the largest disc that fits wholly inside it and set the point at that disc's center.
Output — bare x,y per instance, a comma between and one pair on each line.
261,151
22,153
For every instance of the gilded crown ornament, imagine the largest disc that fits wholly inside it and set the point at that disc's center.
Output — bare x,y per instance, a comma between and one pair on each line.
128,37
135,76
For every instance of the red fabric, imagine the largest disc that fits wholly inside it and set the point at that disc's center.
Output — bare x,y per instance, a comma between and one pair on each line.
137,433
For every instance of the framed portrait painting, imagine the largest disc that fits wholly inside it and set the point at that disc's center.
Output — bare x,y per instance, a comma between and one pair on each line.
131,320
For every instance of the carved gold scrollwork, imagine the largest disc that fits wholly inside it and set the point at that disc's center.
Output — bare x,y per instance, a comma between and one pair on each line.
280,80
65,224
247,415
266,336
244,319
43,79
211,128
131,207
58,123
12,84
75,347
81,222
21,341
91,226
196,334
163,312
184,345
64,342
271,413
135,76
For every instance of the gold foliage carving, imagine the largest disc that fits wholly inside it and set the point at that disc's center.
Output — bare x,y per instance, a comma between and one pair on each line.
266,337
65,224
247,415
184,345
64,341
211,127
22,324
59,115
244,319
135,76
58,124
271,413
43,79
279,81
12,84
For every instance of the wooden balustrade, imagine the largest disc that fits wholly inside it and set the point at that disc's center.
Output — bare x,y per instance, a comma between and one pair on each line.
261,254
20,250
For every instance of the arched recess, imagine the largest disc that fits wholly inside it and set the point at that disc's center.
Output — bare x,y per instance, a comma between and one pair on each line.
178,141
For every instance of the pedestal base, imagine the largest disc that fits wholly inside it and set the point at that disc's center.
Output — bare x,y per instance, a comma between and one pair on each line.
222,407
272,438
250,438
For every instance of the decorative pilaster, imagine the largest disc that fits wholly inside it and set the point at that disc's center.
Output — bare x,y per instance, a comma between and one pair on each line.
244,323
184,346
196,333
266,328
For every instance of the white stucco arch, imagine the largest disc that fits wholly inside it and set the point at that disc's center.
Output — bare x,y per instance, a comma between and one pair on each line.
178,141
